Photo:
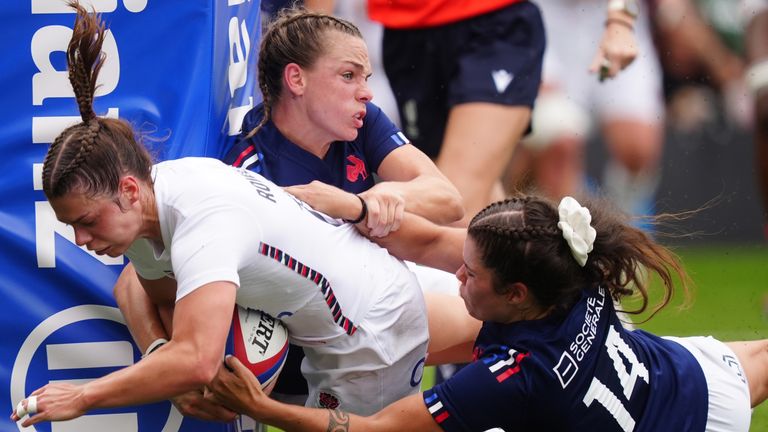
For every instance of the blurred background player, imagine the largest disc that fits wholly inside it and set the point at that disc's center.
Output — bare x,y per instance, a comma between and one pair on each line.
628,110
756,40
465,75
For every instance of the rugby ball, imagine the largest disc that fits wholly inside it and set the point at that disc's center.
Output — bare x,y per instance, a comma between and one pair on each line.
260,342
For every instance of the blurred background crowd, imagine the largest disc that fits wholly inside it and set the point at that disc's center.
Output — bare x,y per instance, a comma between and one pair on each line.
682,128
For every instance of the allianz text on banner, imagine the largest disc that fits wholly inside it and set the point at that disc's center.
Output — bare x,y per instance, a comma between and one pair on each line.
183,71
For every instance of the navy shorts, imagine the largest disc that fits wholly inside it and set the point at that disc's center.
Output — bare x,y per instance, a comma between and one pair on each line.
496,57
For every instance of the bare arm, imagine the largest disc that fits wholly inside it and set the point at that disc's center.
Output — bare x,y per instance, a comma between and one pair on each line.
425,190
424,242
618,46
680,21
150,318
241,392
142,314
757,54
417,239
188,362
412,183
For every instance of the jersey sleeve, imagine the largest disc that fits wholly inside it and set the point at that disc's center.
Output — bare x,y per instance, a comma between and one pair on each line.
379,136
241,151
211,245
481,396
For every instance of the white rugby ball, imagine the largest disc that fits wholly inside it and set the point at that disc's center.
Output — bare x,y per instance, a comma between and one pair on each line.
260,342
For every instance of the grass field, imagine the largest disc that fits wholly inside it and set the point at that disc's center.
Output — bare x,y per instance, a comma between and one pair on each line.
730,286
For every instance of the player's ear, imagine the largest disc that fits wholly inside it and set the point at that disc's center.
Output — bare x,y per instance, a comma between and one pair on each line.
293,76
517,293
128,191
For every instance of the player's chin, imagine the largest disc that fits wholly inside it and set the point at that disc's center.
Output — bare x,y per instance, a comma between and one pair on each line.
350,134
115,251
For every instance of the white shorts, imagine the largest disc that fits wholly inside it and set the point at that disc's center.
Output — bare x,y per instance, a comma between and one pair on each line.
636,93
729,400
381,363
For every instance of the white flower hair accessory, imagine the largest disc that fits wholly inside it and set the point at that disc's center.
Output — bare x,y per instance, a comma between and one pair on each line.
575,224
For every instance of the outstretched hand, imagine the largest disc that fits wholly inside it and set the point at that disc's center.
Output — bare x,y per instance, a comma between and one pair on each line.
54,402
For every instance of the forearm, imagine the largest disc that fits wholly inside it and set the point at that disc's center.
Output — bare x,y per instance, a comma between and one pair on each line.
169,371
756,38
424,242
683,24
141,314
409,413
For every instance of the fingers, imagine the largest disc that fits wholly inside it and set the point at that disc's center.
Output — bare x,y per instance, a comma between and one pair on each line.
236,366
199,405
25,407
385,213
597,60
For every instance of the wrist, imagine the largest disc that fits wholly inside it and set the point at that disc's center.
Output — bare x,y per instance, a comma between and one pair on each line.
157,343
627,8
620,21
363,212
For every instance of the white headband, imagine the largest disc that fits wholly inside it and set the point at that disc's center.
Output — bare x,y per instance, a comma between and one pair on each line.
575,224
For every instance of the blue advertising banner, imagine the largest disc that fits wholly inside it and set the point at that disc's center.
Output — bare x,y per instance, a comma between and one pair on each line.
181,72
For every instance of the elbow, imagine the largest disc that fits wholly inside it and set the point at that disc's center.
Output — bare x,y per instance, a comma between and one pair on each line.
201,369
452,207
207,370
451,210
455,210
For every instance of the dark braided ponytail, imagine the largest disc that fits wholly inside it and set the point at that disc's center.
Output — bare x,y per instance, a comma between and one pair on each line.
519,241
93,155
295,36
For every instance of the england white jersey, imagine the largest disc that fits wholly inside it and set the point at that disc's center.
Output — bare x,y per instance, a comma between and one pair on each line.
219,223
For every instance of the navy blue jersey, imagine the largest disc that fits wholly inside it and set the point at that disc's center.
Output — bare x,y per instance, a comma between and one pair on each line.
578,372
348,165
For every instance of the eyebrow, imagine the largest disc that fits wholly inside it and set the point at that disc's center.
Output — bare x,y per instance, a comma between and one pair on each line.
78,220
357,66
467,266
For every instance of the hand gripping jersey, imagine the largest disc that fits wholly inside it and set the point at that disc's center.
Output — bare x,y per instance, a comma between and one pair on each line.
349,167
581,372
333,289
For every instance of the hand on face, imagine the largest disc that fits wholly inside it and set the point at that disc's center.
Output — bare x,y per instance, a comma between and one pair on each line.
55,402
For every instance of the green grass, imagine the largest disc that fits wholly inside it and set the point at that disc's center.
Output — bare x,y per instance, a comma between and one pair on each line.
727,302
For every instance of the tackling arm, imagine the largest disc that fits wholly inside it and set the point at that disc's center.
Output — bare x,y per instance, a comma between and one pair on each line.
240,391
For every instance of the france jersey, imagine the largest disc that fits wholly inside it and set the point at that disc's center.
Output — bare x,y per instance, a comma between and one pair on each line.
349,167
578,372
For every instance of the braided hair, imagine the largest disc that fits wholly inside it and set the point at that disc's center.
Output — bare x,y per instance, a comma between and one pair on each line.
519,241
295,36
92,155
